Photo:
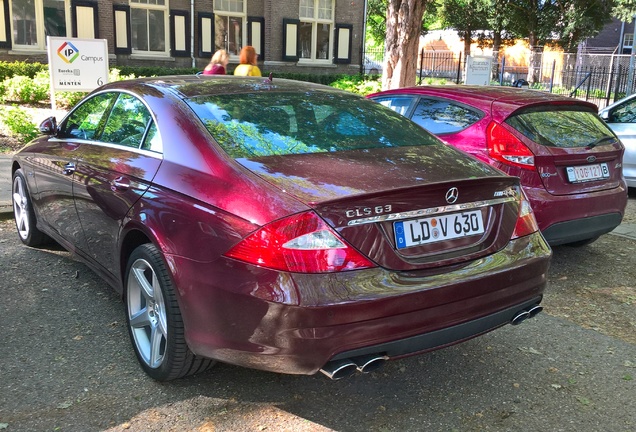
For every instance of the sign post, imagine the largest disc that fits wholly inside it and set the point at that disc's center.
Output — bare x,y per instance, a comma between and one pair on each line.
478,70
76,64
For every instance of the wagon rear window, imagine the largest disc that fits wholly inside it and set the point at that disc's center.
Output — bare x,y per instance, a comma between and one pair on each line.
561,128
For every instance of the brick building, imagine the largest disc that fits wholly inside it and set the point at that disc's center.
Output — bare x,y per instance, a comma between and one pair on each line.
313,36
617,37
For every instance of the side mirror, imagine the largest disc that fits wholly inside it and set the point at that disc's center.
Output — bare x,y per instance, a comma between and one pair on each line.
49,126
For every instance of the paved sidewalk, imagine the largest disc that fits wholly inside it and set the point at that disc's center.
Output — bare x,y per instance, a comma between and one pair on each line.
624,230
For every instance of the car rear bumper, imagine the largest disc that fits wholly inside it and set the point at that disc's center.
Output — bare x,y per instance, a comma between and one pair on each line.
326,317
571,218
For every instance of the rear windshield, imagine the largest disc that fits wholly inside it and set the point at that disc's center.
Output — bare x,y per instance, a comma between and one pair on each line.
254,125
562,128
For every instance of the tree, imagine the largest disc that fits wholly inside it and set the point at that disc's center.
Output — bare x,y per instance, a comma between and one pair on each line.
562,22
624,10
466,17
403,29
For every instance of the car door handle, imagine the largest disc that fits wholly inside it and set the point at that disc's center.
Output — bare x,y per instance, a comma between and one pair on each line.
69,168
120,183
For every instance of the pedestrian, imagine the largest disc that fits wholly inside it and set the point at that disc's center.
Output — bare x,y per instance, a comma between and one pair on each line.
247,66
218,63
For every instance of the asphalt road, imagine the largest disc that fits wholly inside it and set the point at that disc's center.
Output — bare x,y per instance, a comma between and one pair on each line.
66,365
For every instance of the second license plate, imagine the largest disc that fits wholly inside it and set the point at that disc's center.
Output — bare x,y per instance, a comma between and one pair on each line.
587,173
433,229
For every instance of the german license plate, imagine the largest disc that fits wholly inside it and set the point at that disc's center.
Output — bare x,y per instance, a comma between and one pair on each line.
585,173
419,232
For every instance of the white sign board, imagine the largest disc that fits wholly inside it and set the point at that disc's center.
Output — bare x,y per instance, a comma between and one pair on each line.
77,64
478,70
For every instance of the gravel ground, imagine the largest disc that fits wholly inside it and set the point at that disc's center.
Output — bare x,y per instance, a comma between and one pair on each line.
66,363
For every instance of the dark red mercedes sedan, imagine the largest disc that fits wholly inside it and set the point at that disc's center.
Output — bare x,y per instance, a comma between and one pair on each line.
278,225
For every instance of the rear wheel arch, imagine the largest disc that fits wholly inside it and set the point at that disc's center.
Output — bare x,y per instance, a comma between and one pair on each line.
131,241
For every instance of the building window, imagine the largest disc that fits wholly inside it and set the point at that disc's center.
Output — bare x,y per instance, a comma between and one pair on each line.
315,30
33,20
149,26
229,25
628,43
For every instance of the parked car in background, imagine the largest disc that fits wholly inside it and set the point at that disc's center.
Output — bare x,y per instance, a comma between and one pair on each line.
568,160
278,225
621,118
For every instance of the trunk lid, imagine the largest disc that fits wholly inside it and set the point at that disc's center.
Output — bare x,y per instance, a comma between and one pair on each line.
404,208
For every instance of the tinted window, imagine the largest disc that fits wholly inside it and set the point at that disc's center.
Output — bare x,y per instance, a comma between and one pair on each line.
398,104
247,125
84,122
626,113
440,117
127,122
152,141
561,128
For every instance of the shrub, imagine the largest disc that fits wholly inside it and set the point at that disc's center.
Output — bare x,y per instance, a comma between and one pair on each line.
19,123
24,89
358,84
11,69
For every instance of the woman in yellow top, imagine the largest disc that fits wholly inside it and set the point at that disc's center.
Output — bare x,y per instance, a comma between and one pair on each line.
248,63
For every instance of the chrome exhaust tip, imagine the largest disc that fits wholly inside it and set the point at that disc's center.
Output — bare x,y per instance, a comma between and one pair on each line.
534,310
338,369
520,317
369,363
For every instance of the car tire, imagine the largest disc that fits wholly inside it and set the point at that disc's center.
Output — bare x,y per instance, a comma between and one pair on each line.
154,320
583,242
23,213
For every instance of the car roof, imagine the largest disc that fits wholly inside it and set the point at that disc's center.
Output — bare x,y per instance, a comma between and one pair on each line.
188,86
506,99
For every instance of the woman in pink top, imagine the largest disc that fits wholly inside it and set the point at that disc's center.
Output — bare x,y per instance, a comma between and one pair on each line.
217,64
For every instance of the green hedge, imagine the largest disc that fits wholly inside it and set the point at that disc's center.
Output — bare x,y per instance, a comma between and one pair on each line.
11,69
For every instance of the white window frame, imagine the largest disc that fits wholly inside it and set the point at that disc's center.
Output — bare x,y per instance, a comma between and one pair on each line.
316,21
39,26
628,37
231,9
147,5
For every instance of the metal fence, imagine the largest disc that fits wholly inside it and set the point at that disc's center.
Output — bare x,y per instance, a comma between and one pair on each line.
598,78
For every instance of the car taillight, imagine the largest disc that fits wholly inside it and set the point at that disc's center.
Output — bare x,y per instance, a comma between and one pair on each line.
299,243
507,148
526,222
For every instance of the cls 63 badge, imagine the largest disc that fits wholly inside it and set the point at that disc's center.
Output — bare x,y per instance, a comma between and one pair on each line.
368,211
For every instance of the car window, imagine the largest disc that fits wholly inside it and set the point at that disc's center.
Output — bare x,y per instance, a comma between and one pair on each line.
152,141
399,104
127,122
84,122
564,128
625,113
248,125
439,116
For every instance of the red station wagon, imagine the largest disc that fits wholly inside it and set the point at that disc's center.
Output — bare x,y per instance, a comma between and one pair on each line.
568,160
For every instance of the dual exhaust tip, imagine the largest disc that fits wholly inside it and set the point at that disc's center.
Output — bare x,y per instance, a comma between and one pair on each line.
338,369
523,315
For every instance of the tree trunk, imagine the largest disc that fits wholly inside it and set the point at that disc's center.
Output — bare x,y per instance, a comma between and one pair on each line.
403,27
536,53
496,46
468,41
